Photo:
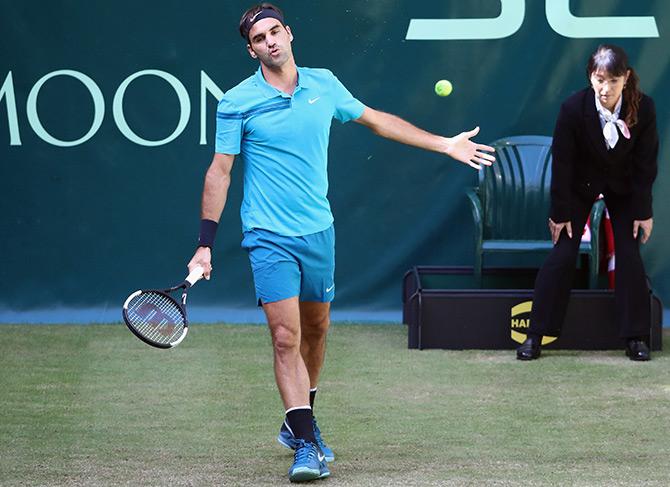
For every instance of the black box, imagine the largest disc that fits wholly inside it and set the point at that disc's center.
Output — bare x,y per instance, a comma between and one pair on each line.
442,310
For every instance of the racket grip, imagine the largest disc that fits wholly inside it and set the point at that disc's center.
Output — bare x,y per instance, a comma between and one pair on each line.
195,275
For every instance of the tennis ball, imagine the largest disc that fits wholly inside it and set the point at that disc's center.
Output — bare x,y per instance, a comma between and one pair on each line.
443,87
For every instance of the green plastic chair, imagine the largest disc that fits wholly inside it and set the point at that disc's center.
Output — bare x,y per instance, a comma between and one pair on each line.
511,204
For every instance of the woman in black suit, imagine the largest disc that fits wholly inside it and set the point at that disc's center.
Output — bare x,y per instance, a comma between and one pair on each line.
605,142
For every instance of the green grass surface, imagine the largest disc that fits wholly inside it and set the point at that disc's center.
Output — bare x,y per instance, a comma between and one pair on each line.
91,405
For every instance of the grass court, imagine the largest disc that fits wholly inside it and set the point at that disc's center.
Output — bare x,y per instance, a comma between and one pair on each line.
92,405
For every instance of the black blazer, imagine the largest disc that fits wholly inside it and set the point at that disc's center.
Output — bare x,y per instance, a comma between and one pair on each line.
583,167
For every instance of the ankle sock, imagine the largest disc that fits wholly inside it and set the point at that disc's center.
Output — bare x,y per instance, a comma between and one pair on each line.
299,421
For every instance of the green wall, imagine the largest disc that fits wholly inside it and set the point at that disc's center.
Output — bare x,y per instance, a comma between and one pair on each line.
83,225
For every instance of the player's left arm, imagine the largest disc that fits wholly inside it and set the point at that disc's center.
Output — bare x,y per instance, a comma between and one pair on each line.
459,147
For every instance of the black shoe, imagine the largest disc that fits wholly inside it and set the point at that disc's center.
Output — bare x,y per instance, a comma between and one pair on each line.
530,349
637,350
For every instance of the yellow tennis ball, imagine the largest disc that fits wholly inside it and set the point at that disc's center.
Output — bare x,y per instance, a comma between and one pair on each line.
443,87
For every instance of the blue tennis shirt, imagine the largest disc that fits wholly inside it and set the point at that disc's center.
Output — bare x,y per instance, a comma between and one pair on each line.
283,141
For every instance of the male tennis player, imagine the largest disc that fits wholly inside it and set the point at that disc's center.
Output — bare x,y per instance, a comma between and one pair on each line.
279,121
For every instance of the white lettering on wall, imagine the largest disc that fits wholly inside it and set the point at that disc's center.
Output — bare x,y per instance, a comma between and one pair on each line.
511,17
206,86
184,105
560,19
507,23
98,108
7,92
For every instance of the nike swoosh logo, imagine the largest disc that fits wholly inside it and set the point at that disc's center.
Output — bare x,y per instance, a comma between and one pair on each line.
328,289
312,101
322,457
254,17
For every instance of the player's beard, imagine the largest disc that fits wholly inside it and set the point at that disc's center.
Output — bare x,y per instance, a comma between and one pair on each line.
276,61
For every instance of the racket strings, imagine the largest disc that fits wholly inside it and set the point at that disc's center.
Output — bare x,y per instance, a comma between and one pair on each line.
156,316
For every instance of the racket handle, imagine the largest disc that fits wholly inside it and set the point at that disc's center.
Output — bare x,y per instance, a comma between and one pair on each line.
195,275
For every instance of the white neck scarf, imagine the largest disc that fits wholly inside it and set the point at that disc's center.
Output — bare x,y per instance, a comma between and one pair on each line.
610,121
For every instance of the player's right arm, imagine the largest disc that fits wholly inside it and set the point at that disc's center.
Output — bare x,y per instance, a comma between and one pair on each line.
214,195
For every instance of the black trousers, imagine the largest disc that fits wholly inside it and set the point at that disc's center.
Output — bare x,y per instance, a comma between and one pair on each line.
554,280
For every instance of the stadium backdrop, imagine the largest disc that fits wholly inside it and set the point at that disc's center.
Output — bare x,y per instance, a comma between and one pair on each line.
107,118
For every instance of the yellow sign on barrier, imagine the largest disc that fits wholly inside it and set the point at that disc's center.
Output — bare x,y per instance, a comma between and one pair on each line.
520,323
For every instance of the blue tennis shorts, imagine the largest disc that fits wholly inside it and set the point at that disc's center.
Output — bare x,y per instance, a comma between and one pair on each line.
285,267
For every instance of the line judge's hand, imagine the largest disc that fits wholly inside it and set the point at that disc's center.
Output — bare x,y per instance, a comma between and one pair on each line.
646,226
468,152
557,228
202,258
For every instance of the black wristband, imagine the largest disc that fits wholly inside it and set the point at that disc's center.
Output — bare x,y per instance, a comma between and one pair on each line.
207,233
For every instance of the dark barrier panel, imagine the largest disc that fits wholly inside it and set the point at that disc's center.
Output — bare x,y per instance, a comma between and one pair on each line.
498,318
107,125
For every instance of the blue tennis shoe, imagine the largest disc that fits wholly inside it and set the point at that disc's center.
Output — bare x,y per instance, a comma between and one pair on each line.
287,439
309,463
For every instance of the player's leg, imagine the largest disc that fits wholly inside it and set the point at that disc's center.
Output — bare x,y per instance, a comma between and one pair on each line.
291,374
317,290
277,282
317,261
314,323
293,382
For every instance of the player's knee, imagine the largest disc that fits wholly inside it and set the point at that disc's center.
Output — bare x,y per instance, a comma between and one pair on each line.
285,338
315,330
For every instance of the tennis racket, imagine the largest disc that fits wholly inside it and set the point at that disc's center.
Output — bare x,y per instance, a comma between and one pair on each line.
157,318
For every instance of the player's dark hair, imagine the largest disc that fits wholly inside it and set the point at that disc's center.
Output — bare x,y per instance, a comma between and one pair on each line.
246,22
613,60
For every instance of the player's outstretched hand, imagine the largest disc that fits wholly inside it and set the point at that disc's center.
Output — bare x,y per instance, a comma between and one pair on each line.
202,258
468,152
